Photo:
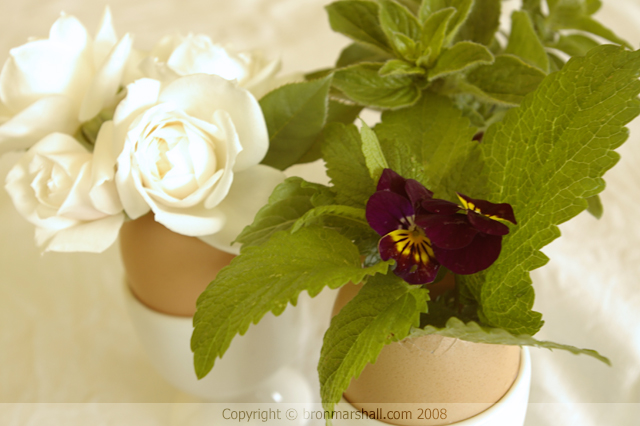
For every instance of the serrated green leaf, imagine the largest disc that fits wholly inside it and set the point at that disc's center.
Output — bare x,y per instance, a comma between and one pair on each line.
266,279
366,86
289,201
461,57
359,21
356,53
472,332
382,312
463,8
295,115
555,62
346,165
434,31
524,42
344,212
338,112
482,23
506,81
545,158
594,206
400,67
373,156
439,139
575,44
400,26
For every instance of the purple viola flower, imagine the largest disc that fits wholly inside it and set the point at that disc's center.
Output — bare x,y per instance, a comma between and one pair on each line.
421,232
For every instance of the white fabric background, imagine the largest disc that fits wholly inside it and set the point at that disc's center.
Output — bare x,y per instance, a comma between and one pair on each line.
64,334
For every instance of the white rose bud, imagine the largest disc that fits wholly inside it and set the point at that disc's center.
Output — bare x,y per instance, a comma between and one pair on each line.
55,84
191,155
65,192
178,56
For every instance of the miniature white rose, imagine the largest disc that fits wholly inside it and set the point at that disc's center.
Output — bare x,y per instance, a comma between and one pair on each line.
176,56
53,85
65,191
191,155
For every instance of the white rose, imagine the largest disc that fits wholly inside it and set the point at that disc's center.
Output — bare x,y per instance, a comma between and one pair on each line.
65,191
54,84
191,154
177,56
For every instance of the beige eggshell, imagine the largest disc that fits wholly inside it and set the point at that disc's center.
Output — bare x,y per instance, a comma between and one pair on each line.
433,371
167,271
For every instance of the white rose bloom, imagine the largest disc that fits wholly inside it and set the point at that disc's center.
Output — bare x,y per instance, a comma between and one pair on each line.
178,56
191,155
54,84
66,192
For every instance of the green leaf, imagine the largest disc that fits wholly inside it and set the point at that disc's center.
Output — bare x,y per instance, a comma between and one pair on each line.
339,112
295,114
364,84
460,57
472,332
482,23
524,42
594,206
356,53
373,156
439,140
545,159
344,212
433,33
592,26
346,165
289,201
463,8
397,20
506,81
382,312
400,67
359,21
267,278
575,44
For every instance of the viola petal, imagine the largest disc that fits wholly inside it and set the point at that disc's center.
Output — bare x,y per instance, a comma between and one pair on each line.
447,231
391,181
415,263
417,192
477,256
486,225
388,211
440,206
502,211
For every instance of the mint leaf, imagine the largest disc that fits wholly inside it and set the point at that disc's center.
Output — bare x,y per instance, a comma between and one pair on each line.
460,57
463,8
289,201
506,81
267,278
355,53
365,85
594,206
359,21
545,158
396,19
382,312
472,332
524,42
434,30
439,139
344,212
400,67
346,165
592,26
482,23
575,44
373,156
295,114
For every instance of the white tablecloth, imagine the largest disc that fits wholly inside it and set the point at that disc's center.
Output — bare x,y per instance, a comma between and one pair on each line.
64,334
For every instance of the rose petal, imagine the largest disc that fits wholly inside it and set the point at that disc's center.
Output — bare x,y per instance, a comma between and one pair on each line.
264,80
141,95
198,55
45,116
486,225
447,231
201,95
78,204
103,193
105,38
477,256
94,237
387,211
129,186
68,30
192,222
249,192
